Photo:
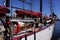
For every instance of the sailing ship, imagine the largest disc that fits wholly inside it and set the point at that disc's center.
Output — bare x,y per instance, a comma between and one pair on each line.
29,25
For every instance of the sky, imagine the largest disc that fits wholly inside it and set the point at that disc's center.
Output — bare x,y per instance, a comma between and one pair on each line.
36,7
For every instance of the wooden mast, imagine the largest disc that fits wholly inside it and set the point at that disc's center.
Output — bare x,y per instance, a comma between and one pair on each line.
8,21
41,10
40,5
7,3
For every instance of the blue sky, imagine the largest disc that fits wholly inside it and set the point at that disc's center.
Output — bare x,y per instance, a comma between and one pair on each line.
36,6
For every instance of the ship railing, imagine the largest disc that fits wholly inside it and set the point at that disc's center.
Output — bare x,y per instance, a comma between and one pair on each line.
16,20
23,21
25,31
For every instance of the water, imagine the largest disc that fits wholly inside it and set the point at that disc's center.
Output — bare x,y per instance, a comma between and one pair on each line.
56,33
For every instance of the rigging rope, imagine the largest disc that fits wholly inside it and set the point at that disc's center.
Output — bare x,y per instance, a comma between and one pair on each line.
54,6
50,6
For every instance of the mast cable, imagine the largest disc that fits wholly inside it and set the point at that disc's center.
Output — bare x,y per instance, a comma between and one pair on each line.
54,7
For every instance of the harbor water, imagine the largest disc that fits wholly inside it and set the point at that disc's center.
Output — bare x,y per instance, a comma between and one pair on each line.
56,34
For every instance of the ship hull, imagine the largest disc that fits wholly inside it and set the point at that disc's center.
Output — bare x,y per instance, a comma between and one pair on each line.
43,34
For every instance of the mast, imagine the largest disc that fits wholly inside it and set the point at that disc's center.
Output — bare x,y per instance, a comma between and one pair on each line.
41,10
40,5
8,20
7,3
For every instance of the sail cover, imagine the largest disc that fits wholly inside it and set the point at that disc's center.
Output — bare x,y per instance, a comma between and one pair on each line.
19,12
4,10
37,14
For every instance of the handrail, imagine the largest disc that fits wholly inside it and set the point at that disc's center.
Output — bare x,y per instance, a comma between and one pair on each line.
17,20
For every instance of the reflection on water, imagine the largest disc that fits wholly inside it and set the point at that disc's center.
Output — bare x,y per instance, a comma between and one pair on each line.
56,33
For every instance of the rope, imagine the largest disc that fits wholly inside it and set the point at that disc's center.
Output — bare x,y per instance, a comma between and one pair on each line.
54,6
51,6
